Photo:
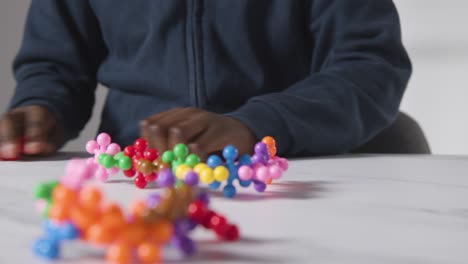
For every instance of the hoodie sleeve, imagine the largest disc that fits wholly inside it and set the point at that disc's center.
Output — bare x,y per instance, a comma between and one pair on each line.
57,63
359,71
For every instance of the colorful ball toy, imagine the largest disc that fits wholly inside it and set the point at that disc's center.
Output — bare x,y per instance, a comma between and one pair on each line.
258,170
74,211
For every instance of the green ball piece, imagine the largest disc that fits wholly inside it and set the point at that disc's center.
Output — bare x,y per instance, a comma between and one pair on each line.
41,191
124,163
106,160
192,160
181,151
119,156
168,156
52,184
175,164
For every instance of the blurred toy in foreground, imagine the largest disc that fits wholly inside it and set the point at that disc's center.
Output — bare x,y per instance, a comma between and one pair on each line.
75,211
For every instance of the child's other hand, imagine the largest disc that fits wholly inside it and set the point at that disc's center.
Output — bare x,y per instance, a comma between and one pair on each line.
204,132
34,126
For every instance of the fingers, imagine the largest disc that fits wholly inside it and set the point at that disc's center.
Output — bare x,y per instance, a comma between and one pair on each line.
36,126
39,127
167,129
11,132
205,133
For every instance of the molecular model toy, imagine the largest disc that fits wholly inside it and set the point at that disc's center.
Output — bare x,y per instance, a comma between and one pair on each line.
144,164
75,211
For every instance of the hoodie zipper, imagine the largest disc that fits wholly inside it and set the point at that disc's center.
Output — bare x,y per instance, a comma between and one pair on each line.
194,50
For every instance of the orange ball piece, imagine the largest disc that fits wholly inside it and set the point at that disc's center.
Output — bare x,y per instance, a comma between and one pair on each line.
59,212
133,234
161,232
148,253
63,195
271,144
112,216
99,234
138,208
83,218
90,197
119,253
269,181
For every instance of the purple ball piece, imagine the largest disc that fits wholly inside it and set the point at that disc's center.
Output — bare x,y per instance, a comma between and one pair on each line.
166,178
187,246
191,178
261,148
184,244
255,159
204,198
183,226
153,200
259,186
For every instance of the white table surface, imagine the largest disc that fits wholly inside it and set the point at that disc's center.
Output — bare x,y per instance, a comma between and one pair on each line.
361,209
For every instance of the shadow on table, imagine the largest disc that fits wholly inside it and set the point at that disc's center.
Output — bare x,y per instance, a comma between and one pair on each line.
209,251
296,190
214,251
59,156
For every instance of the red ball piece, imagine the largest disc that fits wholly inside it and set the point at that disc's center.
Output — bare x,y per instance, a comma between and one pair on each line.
206,222
151,177
129,173
129,151
151,154
231,233
216,221
197,211
140,181
140,145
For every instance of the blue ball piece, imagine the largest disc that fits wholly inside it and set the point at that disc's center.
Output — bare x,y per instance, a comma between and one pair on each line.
245,160
214,185
46,248
68,232
214,161
245,183
229,191
230,153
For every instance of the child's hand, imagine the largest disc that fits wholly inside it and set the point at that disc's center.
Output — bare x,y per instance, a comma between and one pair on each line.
204,132
35,126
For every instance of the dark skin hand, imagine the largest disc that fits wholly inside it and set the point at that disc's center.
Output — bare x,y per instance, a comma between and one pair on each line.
204,132
35,124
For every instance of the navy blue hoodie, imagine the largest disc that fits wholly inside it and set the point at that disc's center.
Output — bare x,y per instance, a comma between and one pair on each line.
321,76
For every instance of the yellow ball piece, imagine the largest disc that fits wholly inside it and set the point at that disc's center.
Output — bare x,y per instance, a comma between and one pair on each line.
221,173
199,167
207,176
181,170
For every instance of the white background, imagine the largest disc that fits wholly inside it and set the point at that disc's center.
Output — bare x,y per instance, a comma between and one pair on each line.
435,34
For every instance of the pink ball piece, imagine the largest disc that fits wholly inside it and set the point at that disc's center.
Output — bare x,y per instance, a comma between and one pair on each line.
275,171
245,173
70,182
262,174
92,146
103,140
40,206
283,163
113,171
76,167
91,162
113,149
102,175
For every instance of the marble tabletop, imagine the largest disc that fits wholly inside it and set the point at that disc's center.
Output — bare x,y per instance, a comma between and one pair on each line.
355,209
